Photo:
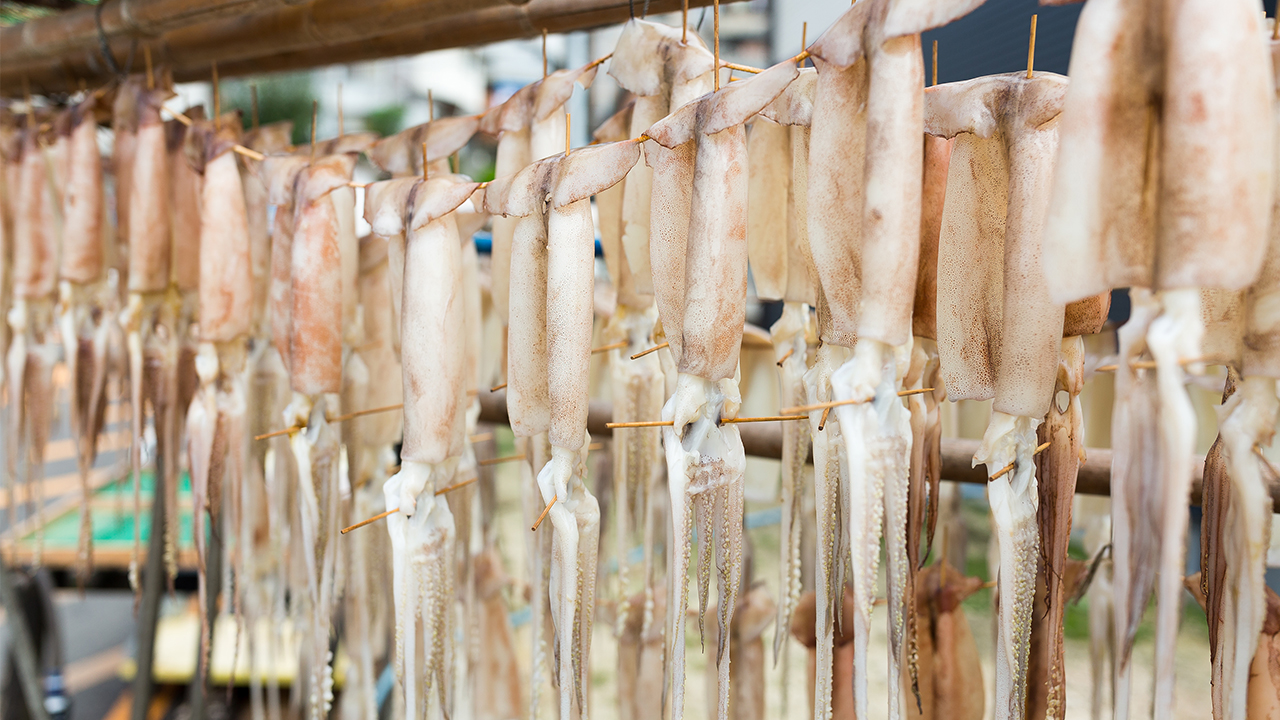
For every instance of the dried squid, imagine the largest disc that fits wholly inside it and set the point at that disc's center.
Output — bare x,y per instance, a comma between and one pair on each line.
638,389
315,373
664,68
1236,582
33,349
999,332
782,268
1263,694
433,355
1057,467
552,261
83,297
948,668
1151,187
216,421
698,256
865,243
751,618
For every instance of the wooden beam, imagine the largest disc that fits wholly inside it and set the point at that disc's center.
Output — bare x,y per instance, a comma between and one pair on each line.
325,32
765,440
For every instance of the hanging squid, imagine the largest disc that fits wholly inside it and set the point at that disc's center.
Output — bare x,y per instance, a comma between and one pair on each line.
33,350
999,332
664,72
553,276
433,355
865,212
1056,469
315,372
638,391
216,422
698,256
1149,189
949,671
82,300
782,267
1238,542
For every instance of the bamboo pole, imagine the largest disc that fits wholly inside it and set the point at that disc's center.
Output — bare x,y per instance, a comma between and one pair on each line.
303,36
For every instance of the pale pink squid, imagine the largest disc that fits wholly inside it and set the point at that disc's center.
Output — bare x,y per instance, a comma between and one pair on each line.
82,290
433,354
1166,158
698,257
864,193
553,286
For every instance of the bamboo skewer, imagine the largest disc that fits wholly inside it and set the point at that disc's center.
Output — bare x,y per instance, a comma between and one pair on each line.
724,421
935,63
838,403
611,346
655,348
335,419
1009,468
822,423
496,388
1147,364
499,460
545,510
784,357
238,149
1031,49
716,7
379,516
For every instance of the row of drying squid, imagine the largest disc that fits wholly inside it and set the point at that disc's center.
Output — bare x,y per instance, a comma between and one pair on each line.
954,242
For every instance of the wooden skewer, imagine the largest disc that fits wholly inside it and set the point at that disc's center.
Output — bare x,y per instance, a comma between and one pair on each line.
822,423
480,437
545,510
499,460
723,422
1031,49
455,486
684,22
990,584
238,149
370,521
838,403
424,160
496,388
544,67
1009,468
362,413
595,446
336,419
935,62
740,68
655,348
804,38
217,94
393,511
1148,364
598,61
315,111
611,346
354,184
568,123
716,6
766,418
784,357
